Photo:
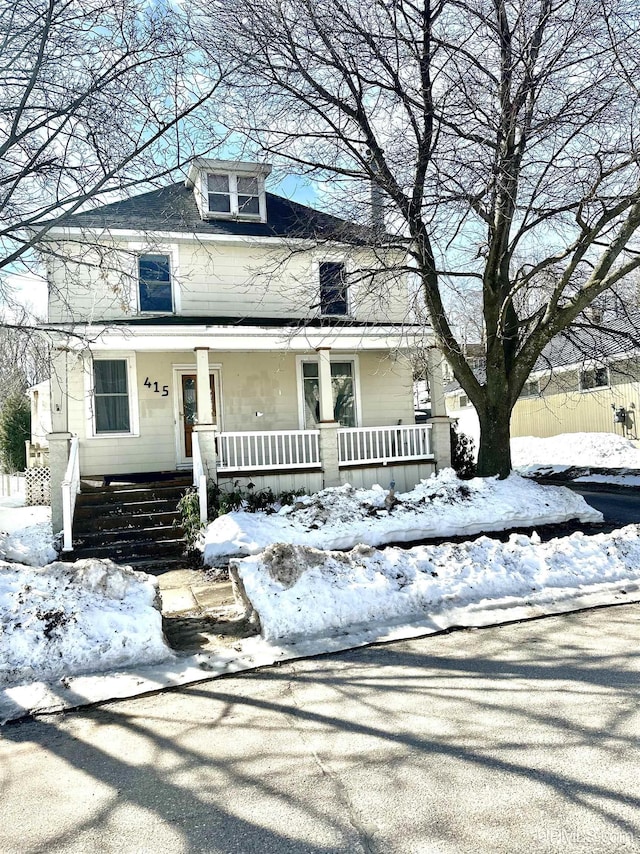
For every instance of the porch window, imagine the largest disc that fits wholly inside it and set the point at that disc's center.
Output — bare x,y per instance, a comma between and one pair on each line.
342,384
111,396
333,288
155,283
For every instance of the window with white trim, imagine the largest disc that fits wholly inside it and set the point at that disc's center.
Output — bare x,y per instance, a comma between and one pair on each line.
594,378
530,389
111,396
154,283
233,195
343,387
333,288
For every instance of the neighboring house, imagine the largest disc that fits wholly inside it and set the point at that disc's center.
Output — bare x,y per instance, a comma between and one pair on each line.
216,327
587,380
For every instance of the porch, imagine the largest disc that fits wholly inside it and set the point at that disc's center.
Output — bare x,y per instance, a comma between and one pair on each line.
155,408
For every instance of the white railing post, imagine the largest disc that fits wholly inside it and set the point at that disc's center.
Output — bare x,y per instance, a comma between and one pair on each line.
199,476
70,489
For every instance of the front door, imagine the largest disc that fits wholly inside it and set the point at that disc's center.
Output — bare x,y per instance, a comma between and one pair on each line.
189,411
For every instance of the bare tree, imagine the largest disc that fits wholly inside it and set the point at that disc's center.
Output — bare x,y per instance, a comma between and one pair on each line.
96,99
501,137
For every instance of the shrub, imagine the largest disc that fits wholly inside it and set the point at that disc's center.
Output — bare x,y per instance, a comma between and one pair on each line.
15,429
189,509
462,454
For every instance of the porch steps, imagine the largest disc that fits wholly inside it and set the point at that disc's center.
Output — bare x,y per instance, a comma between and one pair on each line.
134,523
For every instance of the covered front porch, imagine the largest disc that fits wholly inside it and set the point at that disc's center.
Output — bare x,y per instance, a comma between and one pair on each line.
334,405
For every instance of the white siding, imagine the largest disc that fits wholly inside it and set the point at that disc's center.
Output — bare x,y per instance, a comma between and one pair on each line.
251,383
216,279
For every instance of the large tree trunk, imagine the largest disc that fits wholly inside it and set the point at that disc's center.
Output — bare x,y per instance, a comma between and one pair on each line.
494,453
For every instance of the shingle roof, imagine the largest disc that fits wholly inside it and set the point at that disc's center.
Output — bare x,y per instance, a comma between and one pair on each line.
586,340
173,208
582,341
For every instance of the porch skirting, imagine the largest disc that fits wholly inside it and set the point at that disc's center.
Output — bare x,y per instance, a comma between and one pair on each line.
361,476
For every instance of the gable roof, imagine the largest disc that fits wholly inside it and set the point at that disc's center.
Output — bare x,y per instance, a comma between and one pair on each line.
173,208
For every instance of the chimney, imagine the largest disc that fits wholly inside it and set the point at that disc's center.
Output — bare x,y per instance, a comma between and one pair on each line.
377,197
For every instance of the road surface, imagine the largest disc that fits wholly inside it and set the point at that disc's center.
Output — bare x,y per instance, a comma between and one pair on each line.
519,738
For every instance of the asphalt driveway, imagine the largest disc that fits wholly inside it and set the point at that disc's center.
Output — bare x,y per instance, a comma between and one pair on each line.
520,738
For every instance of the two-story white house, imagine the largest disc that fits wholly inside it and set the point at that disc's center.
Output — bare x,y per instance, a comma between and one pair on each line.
215,327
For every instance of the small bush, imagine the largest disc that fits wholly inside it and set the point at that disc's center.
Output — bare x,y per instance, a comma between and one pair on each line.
15,429
462,454
189,509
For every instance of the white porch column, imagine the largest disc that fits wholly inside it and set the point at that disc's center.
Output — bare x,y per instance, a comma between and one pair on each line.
328,426
58,459
205,428
59,437
440,423
59,391
329,453
325,390
203,387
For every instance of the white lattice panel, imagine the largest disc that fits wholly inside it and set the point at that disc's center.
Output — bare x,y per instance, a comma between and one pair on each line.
38,486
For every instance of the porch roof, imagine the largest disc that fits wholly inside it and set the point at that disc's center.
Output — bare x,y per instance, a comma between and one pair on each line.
225,334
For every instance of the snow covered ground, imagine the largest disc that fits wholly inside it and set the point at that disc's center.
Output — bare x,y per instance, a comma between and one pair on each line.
63,625
531,456
25,533
300,592
442,506
59,619
64,619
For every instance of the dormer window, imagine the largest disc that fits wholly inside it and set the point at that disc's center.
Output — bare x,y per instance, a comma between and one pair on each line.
219,194
230,189
233,195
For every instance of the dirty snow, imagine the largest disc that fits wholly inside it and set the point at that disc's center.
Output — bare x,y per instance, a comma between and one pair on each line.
442,506
299,591
64,619
530,454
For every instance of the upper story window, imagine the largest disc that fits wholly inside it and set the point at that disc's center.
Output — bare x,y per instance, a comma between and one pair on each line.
234,195
229,189
154,283
333,288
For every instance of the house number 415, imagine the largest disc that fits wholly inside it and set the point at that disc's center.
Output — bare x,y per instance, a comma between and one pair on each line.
164,391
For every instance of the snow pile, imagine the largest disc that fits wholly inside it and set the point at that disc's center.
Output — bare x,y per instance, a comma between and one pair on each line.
442,506
25,533
567,450
298,591
64,619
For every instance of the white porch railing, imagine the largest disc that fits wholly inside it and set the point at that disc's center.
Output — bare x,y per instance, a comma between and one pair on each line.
384,445
281,449
70,490
199,476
